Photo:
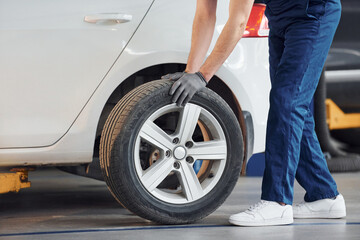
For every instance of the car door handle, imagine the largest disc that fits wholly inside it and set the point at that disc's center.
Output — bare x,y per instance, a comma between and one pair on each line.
108,18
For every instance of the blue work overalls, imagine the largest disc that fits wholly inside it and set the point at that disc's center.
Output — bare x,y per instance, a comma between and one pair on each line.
301,32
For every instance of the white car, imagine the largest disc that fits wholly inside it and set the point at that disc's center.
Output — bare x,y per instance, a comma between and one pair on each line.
79,86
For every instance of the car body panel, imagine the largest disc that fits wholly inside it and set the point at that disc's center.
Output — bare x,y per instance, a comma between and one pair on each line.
52,61
245,72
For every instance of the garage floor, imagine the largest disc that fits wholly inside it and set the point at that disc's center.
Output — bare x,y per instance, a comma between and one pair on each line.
63,206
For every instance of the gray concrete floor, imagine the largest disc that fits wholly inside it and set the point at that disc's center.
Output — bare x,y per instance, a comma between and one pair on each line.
63,206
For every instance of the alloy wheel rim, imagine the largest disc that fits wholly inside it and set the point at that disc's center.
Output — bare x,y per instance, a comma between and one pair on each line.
178,153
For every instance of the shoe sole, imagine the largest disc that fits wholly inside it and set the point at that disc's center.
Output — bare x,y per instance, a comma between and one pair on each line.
272,222
333,214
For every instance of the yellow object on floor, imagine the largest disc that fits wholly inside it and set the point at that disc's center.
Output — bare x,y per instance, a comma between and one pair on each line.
13,182
337,119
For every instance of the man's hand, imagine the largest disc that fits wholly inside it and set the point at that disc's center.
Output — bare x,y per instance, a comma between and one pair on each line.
185,88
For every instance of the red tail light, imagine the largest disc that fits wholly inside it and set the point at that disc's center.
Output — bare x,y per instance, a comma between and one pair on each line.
257,25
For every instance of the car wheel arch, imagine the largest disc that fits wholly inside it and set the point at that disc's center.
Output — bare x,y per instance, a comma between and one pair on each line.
155,72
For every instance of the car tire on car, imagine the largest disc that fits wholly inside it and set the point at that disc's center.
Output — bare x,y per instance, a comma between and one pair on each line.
171,164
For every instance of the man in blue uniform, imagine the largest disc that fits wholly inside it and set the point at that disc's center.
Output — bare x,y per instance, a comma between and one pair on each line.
301,32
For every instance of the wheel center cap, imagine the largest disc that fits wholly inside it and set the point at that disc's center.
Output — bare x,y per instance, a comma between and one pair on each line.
179,153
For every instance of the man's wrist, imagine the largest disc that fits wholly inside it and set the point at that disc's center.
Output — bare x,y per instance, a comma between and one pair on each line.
189,70
201,76
206,75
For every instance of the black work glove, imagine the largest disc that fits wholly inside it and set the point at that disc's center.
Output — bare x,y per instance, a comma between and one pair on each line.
186,86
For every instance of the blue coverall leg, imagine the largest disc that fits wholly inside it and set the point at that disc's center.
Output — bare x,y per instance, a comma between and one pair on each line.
301,32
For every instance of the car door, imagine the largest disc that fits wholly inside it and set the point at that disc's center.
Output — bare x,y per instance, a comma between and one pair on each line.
53,55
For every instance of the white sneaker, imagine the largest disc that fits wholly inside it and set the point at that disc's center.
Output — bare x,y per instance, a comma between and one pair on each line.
324,208
264,213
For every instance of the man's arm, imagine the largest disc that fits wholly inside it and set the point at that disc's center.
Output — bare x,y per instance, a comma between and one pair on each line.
195,79
239,11
202,33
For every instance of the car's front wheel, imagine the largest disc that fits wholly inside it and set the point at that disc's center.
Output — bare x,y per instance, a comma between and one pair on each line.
171,164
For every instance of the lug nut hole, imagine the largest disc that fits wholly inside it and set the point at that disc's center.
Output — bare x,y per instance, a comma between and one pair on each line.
176,165
168,153
189,144
189,159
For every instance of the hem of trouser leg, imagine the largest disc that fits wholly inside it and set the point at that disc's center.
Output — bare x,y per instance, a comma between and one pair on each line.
331,194
276,200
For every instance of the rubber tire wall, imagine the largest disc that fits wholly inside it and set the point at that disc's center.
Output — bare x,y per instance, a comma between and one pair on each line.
337,160
117,149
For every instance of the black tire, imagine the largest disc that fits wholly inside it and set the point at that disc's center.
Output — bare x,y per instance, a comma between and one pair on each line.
117,154
337,159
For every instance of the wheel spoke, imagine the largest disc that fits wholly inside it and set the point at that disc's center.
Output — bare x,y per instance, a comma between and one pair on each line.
189,182
209,150
156,173
187,122
154,135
